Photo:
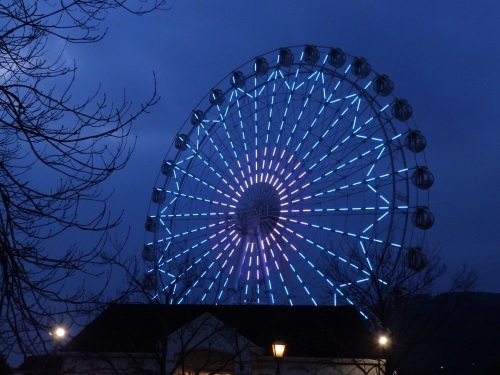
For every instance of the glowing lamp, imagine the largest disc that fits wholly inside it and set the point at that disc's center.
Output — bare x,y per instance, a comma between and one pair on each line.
383,340
60,332
279,349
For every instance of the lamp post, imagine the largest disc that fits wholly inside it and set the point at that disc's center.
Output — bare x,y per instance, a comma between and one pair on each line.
383,341
278,353
58,333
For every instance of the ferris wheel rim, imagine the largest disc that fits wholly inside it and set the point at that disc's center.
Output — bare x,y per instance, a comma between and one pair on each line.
193,129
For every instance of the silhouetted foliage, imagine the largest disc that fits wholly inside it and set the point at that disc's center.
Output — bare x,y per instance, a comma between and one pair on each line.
55,151
395,295
4,366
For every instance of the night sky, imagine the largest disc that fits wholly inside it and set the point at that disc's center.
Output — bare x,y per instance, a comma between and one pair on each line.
442,57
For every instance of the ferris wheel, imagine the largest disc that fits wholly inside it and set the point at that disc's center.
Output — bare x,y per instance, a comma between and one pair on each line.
288,156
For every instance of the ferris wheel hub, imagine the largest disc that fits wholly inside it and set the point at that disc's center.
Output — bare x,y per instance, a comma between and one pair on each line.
258,210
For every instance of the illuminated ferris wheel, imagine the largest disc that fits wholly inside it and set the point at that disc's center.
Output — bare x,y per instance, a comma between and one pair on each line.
287,157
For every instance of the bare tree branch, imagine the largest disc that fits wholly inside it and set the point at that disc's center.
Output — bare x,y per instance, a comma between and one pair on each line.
74,145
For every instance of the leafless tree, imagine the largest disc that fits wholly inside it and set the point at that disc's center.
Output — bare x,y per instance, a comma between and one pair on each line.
394,292
55,151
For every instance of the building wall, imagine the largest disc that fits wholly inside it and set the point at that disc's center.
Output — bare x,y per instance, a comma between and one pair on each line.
196,364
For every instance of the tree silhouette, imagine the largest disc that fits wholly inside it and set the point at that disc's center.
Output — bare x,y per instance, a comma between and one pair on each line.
394,293
55,151
4,366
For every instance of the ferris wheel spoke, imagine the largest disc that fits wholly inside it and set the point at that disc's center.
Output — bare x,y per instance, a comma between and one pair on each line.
330,229
259,156
324,156
327,212
251,268
276,262
326,194
189,287
323,185
220,265
241,121
205,184
314,181
219,138
204,216
301,274
191,256
218,174
233,153
188,234
318,96
264,159
372,216
287,104
335,289
200,198
295,124
177,261
220,150
271,107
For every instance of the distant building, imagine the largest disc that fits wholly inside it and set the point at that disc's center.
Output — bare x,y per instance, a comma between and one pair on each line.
223,340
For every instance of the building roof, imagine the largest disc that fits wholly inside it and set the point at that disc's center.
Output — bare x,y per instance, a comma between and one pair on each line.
309,331
48,364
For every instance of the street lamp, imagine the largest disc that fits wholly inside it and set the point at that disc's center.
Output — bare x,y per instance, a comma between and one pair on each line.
58,334
278,353
383,342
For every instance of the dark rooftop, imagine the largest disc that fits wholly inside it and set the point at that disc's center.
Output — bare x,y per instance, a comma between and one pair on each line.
48,364
309,331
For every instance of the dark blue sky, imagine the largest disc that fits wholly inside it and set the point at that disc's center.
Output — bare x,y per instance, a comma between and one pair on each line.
442,57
